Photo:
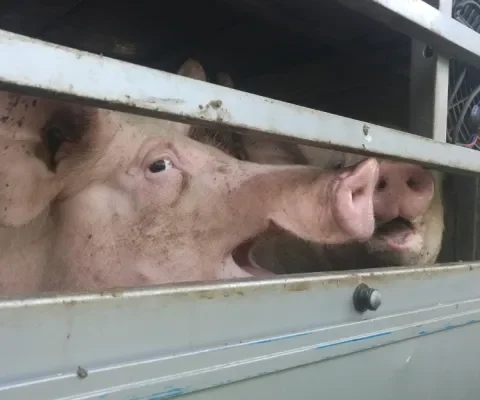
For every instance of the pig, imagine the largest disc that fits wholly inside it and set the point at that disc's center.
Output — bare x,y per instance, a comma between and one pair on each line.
408,210
98,199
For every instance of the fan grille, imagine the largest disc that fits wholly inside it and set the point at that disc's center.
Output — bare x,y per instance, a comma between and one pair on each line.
464,85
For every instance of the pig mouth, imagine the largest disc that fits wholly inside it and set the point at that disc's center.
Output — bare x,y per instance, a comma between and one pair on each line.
242,256
396,233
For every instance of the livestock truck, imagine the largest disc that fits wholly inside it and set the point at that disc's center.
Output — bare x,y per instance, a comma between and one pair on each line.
350,67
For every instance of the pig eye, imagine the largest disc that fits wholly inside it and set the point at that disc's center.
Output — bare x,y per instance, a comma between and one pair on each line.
160,165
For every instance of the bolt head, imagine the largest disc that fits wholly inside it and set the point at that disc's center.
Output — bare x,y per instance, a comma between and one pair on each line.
366,298
375,300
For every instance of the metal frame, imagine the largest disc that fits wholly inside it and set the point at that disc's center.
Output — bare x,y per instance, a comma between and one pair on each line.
119,85
429,88
428,111
53,347
419,20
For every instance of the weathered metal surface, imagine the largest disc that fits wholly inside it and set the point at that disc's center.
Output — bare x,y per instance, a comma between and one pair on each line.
441,82
420,20
429,78
163,342
115,84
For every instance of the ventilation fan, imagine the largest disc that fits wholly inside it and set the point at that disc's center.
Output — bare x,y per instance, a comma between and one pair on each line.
464,88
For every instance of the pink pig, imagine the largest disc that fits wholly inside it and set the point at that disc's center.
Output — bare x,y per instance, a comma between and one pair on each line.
408,211
95,199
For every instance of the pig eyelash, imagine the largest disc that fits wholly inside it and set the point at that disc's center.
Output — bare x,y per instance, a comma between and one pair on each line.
160,165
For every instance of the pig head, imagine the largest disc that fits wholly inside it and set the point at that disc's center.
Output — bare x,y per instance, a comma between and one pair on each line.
408,211
95,199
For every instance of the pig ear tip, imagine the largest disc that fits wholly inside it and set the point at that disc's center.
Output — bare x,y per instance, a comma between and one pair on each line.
191,61
192,68
372,163
369,169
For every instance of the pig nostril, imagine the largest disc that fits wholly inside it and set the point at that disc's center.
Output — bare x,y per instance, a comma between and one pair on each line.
358,192
382,184
411,183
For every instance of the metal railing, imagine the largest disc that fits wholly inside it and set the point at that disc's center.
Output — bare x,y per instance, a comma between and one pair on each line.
123,86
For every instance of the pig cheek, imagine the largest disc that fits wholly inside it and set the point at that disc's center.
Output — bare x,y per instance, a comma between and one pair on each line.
152,190
91,241
166,187
74,256
433,233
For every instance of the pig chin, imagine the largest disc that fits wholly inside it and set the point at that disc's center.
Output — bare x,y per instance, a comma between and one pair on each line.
398,242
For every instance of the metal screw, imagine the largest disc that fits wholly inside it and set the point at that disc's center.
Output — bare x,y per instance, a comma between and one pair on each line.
366,298
427,52
82,373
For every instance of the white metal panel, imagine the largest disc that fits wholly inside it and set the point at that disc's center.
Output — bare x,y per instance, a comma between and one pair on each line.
167,341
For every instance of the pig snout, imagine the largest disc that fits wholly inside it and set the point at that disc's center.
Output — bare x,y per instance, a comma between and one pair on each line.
335,207
352,202
403,190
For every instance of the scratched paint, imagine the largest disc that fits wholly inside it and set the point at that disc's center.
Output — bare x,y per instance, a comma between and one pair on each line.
174,392
448,326
275,339
167,394
396,334
352,340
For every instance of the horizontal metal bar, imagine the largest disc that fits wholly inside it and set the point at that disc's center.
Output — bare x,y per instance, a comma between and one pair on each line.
192,337
189,372
36,67
420,20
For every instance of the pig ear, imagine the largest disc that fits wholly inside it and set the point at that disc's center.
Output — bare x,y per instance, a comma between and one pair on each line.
267,151
224,79
27,187
192,69
225,140
264,151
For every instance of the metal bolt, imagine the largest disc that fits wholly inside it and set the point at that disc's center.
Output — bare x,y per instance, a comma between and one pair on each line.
366,298
427,52
82,373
